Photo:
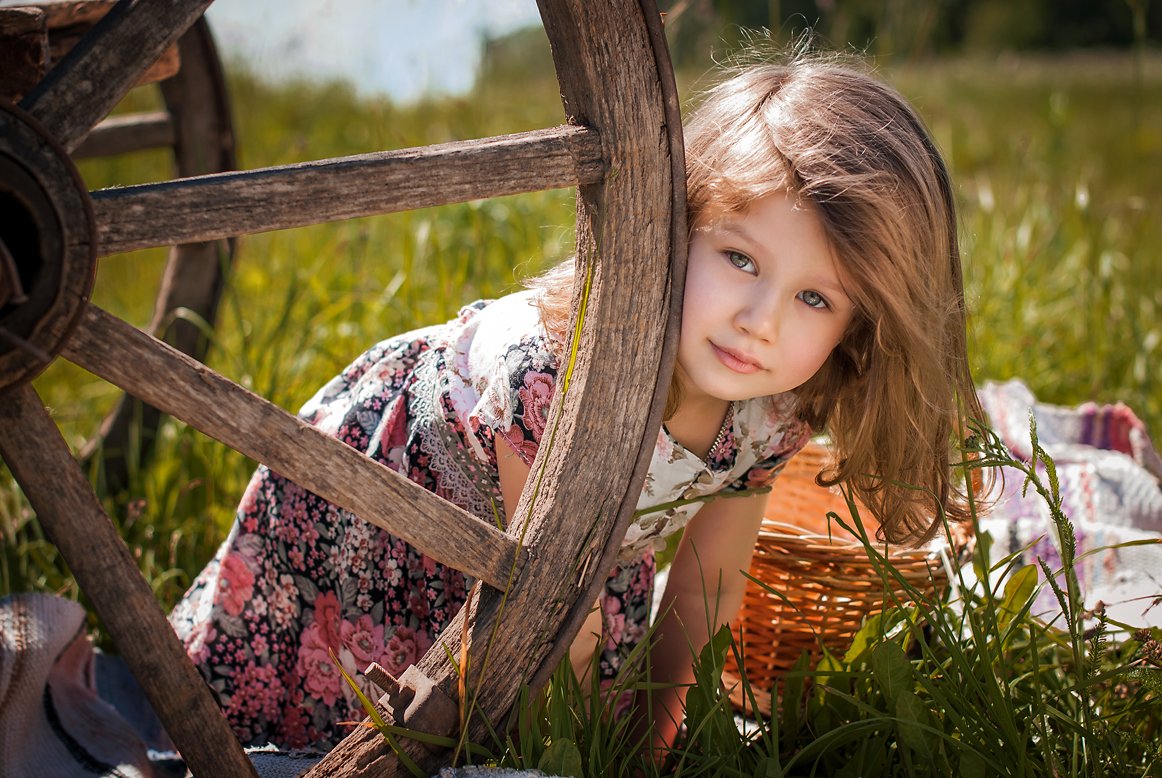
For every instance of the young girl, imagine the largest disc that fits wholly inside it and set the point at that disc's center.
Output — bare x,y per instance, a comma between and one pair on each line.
823,293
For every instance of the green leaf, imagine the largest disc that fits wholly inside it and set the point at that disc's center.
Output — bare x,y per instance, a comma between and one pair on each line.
914,723
768,768
1018,591
869,633
828,666
1148,677
971,765
792,702
561,758
980,556
892,671
713,654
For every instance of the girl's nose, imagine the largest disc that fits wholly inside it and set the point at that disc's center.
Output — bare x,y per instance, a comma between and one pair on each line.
759,318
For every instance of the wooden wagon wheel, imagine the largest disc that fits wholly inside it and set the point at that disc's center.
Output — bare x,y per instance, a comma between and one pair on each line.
621,147
196,126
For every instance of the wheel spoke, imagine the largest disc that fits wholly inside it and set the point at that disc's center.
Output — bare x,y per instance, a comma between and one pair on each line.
215,206
70,514
106,64
130,132
186,389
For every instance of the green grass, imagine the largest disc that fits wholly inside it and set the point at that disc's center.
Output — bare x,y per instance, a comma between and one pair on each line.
971,686
1055,163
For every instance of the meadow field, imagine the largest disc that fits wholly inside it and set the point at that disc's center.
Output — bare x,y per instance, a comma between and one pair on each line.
1056,162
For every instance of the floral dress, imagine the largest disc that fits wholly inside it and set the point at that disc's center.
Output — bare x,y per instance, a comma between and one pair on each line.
299,579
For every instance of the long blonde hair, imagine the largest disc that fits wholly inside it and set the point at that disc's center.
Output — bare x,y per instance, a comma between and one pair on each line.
895,391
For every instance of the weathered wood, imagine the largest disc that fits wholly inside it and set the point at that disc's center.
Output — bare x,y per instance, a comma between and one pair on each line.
96,73
72,517
583,487
188,390
60,43
35,35
275,198
22,20
63,14
56,231
202,136
124,133
679,237
23,50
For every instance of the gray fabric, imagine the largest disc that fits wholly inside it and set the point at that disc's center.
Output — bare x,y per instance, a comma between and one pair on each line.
51,720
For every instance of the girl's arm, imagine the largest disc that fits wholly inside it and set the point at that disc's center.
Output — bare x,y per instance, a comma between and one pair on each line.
513,474
716,548
704,590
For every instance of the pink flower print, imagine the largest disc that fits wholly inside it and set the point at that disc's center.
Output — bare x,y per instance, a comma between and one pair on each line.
293,726
758,477
295,557
320,677
248,508
199,640
527,449
404,648
614,621
418,606
328,615
364,639
625,698
664,447
284,602
236,584
536,396
395,432
257,691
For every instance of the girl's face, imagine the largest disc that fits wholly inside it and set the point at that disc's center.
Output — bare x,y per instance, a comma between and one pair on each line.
764,303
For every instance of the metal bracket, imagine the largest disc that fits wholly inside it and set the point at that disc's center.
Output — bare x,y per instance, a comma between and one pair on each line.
415,701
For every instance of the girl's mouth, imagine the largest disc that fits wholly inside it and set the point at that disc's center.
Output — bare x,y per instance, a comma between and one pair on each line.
739,363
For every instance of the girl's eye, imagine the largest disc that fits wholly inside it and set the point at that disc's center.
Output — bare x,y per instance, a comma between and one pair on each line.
741,261
813,299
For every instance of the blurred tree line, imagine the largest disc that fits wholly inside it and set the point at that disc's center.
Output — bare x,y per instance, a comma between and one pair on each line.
912,29
886,29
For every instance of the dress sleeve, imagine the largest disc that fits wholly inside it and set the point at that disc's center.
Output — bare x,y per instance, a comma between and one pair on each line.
516,385
762,474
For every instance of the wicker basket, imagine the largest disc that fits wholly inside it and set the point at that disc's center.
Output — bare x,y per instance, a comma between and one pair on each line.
830,581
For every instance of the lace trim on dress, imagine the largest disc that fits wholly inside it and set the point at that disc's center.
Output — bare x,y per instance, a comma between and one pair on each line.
461,479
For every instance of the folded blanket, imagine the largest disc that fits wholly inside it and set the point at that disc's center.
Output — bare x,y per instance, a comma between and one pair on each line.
1109,472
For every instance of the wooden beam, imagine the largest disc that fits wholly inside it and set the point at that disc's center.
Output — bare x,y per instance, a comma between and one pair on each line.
72,518
216,206
96,73
188,390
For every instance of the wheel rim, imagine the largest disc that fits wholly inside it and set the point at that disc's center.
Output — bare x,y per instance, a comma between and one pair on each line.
636,215
49,247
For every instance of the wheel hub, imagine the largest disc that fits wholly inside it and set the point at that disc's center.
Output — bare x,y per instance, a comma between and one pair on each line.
47,247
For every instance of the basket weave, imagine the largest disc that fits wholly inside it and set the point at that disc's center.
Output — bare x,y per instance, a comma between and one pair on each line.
830,582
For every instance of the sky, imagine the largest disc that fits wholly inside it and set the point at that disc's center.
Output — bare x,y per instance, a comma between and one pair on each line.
401,48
